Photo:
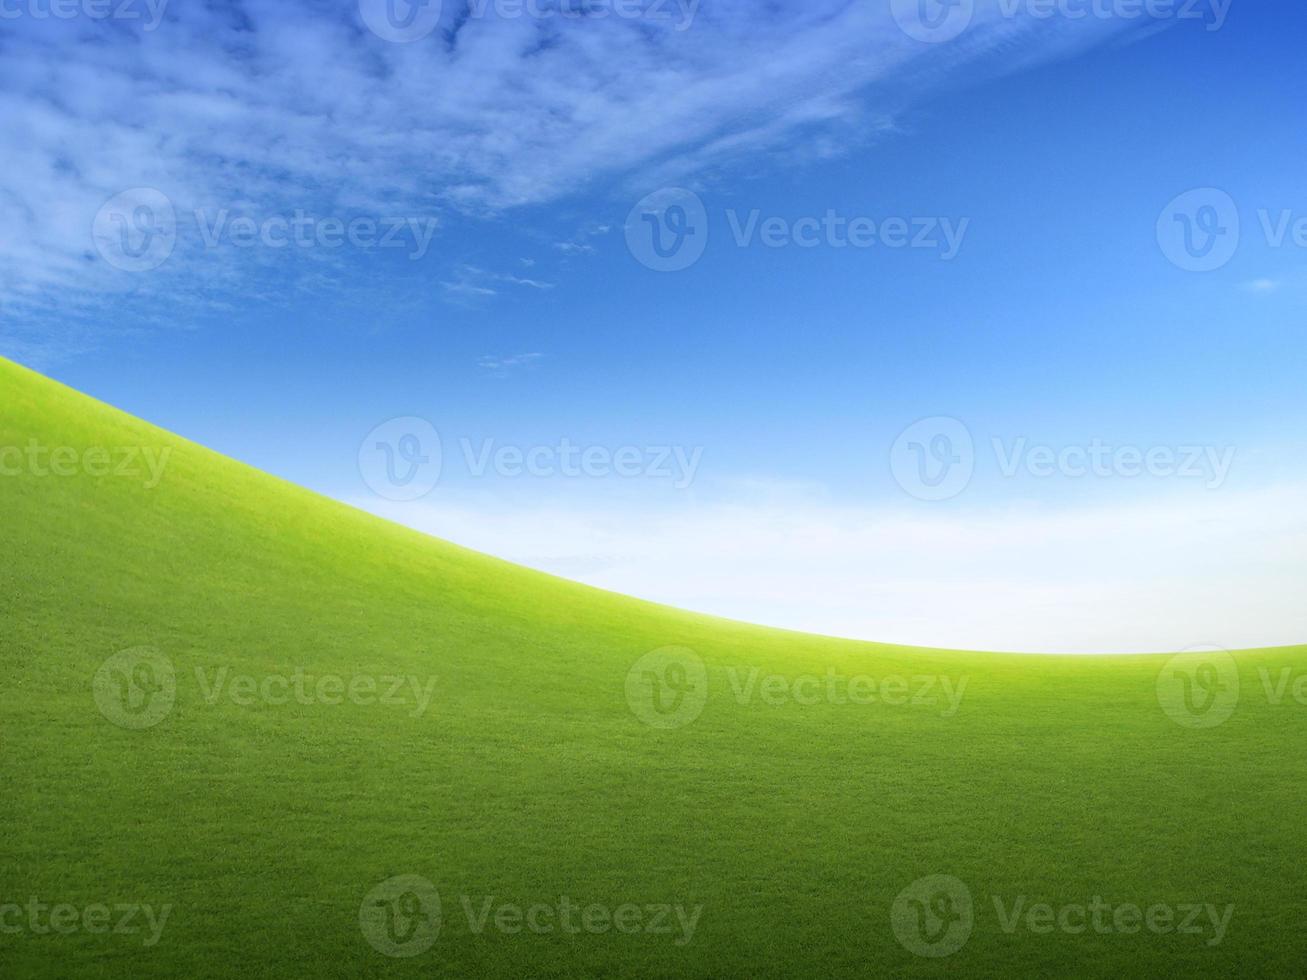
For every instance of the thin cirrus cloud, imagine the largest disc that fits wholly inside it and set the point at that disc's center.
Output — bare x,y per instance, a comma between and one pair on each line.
503,367
469,283
259,107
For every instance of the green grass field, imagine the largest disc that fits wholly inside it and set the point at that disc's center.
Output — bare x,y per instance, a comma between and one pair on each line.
248,731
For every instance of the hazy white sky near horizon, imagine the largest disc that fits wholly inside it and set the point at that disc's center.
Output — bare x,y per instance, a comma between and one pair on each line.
1160,572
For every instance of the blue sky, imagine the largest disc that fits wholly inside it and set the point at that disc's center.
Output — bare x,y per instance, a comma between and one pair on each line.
1063,313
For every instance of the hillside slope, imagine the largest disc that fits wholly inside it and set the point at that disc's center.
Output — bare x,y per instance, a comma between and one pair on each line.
198,721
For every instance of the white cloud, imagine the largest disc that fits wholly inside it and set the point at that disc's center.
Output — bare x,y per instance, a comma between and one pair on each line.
579,244
1160,574
575,248
502,367
266,105
1261,286
470,282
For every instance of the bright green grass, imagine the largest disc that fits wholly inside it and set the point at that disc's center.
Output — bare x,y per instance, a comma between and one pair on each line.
529,777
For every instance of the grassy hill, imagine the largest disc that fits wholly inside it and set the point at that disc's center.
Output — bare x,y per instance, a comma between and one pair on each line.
198,722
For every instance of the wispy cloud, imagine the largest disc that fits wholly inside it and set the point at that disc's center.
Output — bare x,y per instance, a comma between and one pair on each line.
502,367
470,282
263,106
1262,286
579,244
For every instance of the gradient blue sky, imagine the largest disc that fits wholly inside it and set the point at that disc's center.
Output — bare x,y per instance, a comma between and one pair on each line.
1061,320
